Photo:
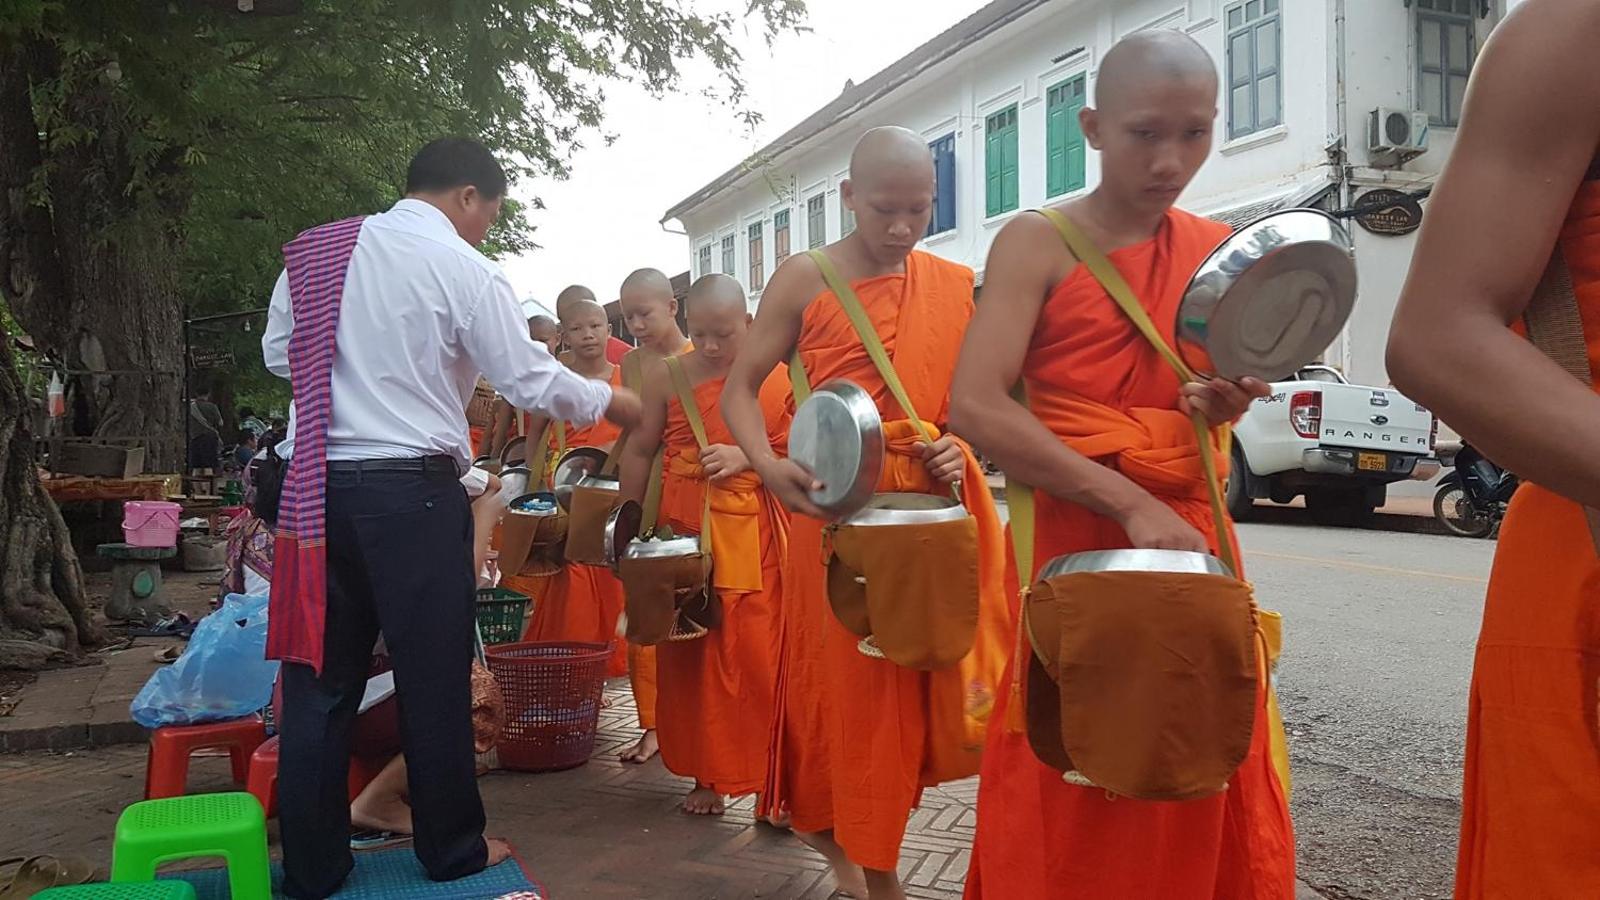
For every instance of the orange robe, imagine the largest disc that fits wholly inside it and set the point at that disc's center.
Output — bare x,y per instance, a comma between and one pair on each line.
714,688
858,738
642,660
1530,810
579,603
1095,382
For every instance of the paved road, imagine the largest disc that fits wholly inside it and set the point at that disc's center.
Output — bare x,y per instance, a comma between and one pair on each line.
1379,632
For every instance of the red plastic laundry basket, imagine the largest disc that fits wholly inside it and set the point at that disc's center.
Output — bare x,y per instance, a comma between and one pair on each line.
552,694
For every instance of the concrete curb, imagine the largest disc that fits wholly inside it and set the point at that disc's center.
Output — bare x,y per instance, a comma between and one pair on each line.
83,706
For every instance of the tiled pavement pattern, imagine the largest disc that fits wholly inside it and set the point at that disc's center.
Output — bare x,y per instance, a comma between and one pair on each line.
606,830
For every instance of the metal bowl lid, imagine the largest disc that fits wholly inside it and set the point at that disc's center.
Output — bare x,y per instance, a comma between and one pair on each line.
539,503
515,452
1178,561
622,528
907,509
837,435
577,464
1270,299
670,548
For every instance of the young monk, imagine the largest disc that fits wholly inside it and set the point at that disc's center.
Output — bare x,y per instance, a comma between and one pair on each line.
1505,285
715,693
858,738
581,603
650,311
615,347
1107,443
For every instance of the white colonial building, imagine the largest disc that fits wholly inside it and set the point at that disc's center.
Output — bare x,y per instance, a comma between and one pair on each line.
1323,101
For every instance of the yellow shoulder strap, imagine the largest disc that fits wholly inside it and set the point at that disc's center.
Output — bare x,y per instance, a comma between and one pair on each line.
633,380
691,410
799,383
869,337
1116,286
1019,501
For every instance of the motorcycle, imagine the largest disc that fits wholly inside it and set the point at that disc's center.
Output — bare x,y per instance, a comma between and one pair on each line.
1472,500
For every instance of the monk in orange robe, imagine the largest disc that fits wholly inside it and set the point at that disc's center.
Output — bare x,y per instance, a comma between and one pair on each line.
715,694
650,310
1107,443
580,603
859,738
1506,243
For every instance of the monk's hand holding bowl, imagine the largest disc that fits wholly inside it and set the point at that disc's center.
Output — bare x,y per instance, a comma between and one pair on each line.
1152,525
944,459
793,485
1221,401
723,461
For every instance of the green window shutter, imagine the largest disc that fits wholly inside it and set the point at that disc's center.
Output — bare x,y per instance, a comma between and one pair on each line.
1055,142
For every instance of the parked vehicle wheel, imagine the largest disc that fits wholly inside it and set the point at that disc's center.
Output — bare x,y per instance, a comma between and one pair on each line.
1455,512
1339,509
1236,493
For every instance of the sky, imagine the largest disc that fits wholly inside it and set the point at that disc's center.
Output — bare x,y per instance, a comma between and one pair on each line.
603,221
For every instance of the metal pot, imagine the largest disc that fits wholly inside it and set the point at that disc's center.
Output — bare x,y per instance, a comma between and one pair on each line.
1178,561
907,509
1270,298
515,452
837,435
579,464
622,528
514,483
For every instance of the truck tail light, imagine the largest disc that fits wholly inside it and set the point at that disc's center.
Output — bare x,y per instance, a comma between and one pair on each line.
1305,413
1433,435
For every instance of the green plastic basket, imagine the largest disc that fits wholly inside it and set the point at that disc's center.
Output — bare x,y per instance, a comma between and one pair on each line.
501,613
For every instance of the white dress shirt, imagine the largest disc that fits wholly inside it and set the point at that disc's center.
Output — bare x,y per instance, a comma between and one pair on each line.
423,314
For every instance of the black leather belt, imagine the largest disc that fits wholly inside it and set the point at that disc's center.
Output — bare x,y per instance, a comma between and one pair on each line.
418,465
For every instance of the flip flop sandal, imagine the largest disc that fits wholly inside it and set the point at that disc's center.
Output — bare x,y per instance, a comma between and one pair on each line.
376,840
8,869
42,872
178,626
168,655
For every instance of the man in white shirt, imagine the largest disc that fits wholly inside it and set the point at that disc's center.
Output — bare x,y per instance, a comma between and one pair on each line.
421,313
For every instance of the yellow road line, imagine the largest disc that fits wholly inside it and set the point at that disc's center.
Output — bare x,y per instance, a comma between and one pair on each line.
1386,570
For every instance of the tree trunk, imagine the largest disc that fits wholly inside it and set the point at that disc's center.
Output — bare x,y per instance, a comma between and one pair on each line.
42,601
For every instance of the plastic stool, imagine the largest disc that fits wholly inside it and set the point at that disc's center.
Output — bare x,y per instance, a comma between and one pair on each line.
230,825
263,781
171,889
167,767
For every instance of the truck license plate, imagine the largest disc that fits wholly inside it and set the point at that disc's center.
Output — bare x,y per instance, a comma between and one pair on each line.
1372,462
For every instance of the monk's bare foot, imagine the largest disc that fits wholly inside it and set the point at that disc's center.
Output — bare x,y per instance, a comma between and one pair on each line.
703,801
849,878
367,814
884,886
499,852
642,752
779,820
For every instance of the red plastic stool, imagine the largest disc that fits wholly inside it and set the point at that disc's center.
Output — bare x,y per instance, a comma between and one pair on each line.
263,781
166,771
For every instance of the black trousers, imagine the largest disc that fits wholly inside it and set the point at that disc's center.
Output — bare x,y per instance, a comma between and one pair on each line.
399,560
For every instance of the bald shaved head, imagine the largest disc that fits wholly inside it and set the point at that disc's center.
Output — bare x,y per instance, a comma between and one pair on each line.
1155,106
890,190
570,294
650,310
718,319
716,292
544,330
1146,58
586,329
647,281
890,151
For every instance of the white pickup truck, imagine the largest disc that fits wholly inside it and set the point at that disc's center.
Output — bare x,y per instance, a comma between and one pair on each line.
1337,444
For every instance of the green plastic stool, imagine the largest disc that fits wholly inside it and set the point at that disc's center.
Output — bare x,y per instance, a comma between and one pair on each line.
148,890
230,825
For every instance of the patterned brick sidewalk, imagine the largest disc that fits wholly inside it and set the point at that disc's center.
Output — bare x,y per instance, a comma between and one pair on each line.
606,830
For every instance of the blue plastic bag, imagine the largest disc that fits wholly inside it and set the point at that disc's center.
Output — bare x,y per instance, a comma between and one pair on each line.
223,674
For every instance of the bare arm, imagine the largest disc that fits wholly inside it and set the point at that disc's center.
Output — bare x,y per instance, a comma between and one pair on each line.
1025,264
771,340
645,440
1529,129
